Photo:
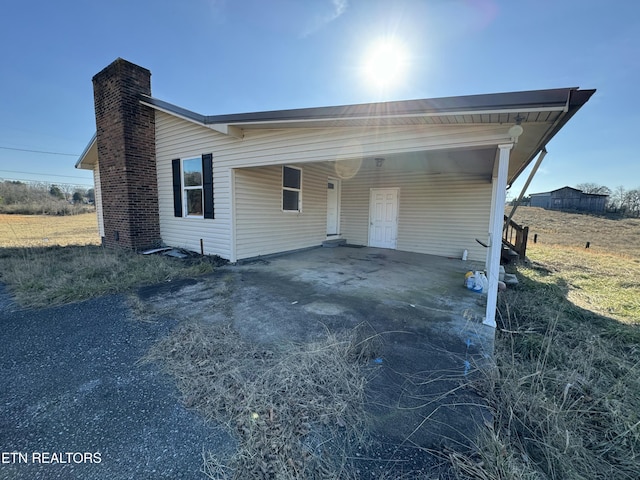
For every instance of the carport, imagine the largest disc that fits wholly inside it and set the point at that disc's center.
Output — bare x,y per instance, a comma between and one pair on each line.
433,338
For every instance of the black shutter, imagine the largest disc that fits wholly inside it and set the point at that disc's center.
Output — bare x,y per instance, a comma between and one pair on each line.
207,184
177,188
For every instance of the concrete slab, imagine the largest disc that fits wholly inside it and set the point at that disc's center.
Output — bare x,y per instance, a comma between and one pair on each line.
433,339
431,326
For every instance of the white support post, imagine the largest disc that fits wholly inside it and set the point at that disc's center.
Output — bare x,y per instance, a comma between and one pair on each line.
498,199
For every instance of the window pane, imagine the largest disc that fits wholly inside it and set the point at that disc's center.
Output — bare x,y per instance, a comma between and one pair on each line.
194,201
290,200
291,177
192,172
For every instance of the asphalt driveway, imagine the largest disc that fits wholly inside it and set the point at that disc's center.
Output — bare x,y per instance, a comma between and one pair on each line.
72,382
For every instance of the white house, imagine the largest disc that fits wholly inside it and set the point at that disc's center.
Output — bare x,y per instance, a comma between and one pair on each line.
426,176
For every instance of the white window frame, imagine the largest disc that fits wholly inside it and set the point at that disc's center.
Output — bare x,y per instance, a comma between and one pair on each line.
291,189
185,188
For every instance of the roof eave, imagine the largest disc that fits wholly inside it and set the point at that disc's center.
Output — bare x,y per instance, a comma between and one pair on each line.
553,99
575,100
87,158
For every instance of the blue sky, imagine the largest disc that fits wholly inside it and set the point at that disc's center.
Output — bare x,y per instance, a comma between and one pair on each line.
233,56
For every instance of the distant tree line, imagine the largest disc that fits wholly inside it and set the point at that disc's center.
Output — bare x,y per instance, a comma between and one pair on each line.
44,198
622,201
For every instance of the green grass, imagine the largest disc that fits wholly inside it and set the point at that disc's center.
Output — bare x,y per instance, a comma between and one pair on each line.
43,276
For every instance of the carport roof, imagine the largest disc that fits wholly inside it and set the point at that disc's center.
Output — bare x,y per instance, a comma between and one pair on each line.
546,112
486,108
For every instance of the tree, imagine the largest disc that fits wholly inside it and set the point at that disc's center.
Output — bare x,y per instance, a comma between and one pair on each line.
91,195
77,197
56,192
617,197
632,202
589,187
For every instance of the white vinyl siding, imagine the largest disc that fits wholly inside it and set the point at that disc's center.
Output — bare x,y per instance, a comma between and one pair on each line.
302,145
437,214
98,199
176,138
441,214
262,227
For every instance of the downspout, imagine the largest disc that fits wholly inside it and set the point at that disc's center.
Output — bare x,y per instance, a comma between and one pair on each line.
543,153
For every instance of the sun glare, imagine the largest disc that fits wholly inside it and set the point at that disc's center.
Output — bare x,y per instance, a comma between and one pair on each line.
385,63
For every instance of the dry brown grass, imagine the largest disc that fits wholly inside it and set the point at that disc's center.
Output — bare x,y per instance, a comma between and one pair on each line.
50,260
566,391
46,230
294,409
615,236
45,276
605,278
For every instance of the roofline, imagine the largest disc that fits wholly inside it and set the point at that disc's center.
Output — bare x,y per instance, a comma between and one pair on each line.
574,101
553,99
572,188
86,150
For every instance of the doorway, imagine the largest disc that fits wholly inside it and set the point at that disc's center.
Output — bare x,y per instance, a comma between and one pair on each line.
383,218
333,207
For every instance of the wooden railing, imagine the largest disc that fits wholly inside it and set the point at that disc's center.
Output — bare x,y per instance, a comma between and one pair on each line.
515,237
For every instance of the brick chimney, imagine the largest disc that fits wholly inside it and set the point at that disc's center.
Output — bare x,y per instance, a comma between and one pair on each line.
126,156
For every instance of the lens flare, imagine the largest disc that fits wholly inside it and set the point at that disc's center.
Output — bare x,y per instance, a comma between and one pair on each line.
386,63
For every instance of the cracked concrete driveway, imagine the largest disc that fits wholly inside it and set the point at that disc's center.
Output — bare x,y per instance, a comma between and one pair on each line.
71,380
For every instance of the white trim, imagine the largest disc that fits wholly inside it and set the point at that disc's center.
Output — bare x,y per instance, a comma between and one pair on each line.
338,183
93,144
232,207
185,200
397,215
224,128
234,129
407,115
498,198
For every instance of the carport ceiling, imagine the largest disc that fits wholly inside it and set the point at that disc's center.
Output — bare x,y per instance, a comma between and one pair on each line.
468,161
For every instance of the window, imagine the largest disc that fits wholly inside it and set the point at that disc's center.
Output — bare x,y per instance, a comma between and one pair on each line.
291,189
193,187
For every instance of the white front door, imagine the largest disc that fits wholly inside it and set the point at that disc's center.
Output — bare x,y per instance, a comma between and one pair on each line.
333,206
383,217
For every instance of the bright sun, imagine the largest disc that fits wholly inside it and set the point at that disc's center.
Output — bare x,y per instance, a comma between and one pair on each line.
385,63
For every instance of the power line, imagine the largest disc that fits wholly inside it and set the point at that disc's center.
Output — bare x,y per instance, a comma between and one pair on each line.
40,151
24,180
47,174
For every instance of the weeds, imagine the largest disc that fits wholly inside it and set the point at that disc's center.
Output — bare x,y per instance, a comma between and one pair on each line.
294,410
565,393
45,276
